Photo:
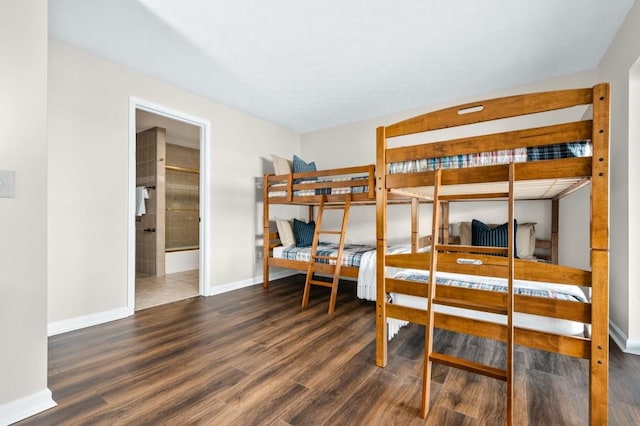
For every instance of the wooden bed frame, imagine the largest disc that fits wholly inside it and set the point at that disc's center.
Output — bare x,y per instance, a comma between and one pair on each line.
286,183
448,185
272,239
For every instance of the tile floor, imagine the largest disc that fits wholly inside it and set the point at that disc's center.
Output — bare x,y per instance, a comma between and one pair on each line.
153,291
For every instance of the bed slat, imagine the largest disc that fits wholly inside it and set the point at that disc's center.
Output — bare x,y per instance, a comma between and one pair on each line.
554,308
345,271
577,347
546,135
535,170
524,269
491,301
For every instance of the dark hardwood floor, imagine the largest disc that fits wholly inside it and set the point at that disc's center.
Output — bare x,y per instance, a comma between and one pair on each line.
252,356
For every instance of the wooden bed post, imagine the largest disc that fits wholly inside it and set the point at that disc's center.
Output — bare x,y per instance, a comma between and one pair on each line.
555,215
265,231
599,361
415,225
445,222
381,248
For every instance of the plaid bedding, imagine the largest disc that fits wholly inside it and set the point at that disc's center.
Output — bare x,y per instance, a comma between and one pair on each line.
492,284
505,156
560,150
325,191
351,254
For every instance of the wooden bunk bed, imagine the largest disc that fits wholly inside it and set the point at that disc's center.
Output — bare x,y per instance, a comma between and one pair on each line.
319,190
509,181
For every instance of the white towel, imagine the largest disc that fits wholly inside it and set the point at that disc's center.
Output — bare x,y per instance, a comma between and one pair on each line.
141,194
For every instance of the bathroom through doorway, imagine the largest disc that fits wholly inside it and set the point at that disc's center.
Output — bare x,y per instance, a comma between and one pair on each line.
167,229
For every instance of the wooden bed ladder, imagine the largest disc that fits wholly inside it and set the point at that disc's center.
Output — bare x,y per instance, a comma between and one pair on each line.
315,266
430,356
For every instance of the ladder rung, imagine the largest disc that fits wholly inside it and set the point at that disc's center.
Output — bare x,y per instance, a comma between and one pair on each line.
321,283
333,207
329,232
471,305
316,256
471,366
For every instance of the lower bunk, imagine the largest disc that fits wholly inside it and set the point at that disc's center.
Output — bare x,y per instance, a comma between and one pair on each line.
293,257
545,306
489,291
552,309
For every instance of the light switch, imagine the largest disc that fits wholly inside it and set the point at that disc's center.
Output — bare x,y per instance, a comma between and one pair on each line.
6,183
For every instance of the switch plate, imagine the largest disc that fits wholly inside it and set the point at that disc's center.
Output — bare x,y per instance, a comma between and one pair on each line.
6,183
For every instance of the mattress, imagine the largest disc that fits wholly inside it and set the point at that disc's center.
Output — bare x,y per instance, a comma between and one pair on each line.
322,191
505,156
522,287
367,290
351,254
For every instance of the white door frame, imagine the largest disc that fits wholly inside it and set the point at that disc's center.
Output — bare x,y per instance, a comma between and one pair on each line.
205,202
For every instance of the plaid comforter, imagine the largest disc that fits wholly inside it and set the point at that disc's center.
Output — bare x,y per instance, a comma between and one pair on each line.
325,191
493,284
351,255
505,156
333,191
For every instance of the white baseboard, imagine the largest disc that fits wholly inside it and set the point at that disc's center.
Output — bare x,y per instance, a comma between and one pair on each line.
77,323
219,289
26,407
624,343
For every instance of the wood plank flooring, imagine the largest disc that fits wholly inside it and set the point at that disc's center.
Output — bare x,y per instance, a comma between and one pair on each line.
253,356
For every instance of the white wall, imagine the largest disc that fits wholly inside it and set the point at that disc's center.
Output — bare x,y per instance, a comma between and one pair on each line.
88,182
574,229
616,67
23,218
355,144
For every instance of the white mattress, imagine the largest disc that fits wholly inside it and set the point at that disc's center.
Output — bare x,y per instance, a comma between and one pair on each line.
535,322
367,286
277,252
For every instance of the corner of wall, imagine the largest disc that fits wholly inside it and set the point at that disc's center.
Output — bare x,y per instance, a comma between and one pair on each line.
624,343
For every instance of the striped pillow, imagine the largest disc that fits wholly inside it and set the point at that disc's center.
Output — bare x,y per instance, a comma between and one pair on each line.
303,232
483,235
300,166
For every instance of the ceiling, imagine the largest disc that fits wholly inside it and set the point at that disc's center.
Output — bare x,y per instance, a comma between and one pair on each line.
177,132
310,64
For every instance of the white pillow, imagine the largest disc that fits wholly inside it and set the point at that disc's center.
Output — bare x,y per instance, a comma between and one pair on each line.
285,232
282,166
526,240
465,233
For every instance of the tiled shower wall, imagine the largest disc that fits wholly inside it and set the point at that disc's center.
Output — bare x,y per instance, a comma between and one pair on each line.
150,171
182,222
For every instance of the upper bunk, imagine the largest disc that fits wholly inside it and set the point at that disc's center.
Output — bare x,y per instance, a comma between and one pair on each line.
307,188
554,153
300,183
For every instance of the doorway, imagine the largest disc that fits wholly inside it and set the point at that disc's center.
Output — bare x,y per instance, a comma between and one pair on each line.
167,238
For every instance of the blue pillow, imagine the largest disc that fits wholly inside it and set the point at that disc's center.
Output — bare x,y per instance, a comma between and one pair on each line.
300,166
303,232
484,235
